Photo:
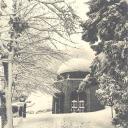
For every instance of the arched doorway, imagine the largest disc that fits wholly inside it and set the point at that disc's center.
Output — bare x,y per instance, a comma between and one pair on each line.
78,101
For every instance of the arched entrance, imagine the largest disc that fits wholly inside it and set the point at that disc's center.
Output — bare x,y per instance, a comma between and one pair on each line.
78,102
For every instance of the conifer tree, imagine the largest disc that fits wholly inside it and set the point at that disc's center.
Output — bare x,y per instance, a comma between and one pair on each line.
107,31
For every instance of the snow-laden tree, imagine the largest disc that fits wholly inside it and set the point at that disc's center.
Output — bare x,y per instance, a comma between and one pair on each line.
30,32
35,29
107,31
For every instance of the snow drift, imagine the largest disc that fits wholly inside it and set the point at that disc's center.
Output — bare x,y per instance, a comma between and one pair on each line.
99,119
39,102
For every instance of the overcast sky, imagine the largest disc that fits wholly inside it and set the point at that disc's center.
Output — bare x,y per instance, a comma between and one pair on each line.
83,49
80,7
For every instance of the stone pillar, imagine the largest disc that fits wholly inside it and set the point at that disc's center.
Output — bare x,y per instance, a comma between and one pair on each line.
24,111
67,99
88,104
53,105
20,111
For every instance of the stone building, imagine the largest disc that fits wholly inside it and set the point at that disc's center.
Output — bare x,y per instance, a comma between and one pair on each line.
68,100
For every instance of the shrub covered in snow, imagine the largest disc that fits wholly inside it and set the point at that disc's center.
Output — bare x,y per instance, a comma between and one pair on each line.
107,31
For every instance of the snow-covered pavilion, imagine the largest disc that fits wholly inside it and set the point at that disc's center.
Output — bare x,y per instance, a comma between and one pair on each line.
70,75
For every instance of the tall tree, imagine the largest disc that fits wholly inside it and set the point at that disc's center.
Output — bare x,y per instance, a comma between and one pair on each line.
30,34
35,29
107,31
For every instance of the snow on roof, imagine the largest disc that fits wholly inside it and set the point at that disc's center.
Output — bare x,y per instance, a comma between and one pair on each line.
18,104
75,64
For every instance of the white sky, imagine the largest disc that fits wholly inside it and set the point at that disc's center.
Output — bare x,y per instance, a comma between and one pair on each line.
80,7
83,49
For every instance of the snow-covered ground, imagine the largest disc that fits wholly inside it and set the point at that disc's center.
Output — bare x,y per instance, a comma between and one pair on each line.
99,119
39,102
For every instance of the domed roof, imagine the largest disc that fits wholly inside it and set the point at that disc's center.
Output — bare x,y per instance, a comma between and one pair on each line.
75,64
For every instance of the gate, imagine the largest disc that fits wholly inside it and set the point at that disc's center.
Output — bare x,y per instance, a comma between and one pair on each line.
78,102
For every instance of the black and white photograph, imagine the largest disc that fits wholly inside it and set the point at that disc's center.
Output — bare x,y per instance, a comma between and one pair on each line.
63,63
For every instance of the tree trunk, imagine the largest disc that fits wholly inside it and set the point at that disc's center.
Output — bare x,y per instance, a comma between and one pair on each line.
9,94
